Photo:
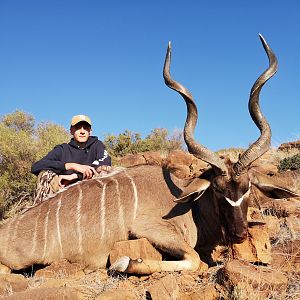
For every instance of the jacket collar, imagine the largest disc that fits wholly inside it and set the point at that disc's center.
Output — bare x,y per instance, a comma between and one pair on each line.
90,141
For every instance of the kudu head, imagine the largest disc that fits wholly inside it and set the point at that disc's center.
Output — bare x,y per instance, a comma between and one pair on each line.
230,183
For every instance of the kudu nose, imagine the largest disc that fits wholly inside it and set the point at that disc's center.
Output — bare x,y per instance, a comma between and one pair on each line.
240,234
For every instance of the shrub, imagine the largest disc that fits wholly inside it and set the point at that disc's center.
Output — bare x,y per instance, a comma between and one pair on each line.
21,144
290,163
131,143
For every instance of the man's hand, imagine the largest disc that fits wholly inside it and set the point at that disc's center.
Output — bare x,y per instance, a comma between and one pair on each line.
64,180
87,171
102,170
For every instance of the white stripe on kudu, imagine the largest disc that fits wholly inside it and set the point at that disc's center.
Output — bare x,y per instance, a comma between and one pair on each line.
58,226
34,238
8,236
121,209
135,195
14,237
78,219
45,232
102,210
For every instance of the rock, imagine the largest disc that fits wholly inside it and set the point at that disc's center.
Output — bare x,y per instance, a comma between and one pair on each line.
186,280
259,237
185,165
259,278
4,269
180,163
117,295
265,168
143,158
209,292
60,269
274,226
135,249
157,275
12,283
132,160
256,248
195,285
153,158
165,288
45,294
242,290
290,145
53,283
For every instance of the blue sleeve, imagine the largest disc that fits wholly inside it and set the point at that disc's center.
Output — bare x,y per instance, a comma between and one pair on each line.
52,161
103,158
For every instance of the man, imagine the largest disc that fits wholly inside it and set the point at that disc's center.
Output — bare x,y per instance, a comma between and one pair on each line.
83,157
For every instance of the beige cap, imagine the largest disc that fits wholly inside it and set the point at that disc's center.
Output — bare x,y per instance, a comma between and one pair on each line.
80,118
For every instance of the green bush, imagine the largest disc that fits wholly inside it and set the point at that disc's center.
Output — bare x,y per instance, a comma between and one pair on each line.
131,143
21,144
290,163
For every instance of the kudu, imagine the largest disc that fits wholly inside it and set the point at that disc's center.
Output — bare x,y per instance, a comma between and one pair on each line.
177,216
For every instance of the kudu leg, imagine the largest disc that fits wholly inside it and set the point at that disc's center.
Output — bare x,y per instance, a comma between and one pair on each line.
168,241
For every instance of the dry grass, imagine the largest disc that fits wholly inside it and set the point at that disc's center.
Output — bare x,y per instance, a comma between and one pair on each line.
278,155
88,286
242,291
293,290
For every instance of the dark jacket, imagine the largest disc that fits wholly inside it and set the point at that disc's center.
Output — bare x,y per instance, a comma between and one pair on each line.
94,154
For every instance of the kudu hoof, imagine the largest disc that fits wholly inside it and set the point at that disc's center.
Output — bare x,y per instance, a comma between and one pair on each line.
120,265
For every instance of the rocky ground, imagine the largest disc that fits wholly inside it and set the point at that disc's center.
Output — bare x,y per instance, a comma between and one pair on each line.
265,266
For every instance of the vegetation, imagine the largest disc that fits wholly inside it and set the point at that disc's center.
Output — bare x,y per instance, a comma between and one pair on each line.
22,142
290,163
128,142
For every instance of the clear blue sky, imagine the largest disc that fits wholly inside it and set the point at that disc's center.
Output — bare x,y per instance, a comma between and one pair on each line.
59,58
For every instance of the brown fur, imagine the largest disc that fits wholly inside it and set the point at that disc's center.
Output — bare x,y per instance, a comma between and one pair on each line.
74,225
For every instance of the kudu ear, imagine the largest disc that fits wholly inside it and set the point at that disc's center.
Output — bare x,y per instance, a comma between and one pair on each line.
196,188
272,186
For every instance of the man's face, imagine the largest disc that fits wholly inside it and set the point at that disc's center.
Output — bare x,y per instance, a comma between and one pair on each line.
81,132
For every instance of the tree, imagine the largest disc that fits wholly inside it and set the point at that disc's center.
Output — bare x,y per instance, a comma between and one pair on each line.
47,136
19,121
21,144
